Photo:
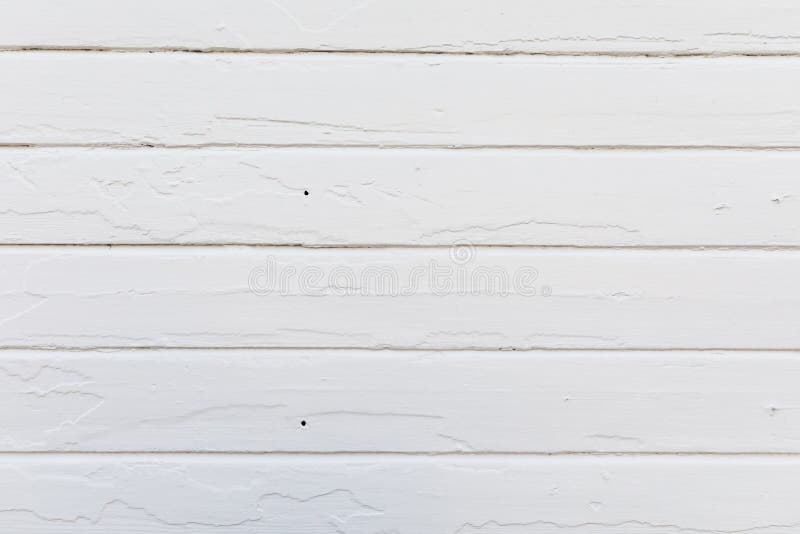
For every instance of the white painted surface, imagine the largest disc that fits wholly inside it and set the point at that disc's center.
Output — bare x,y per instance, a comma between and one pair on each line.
149,389
324,99
202,297
445,402
544,26
400,197
156,494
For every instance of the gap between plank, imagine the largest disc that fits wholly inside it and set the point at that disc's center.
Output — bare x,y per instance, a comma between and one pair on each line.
366,51
333,146
379,246
383,348
406,455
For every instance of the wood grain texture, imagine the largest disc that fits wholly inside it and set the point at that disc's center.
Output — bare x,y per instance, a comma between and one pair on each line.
235,494
329,99
416,402
550,26
485,298
400,197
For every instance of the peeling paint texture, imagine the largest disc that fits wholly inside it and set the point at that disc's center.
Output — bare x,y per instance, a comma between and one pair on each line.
399,267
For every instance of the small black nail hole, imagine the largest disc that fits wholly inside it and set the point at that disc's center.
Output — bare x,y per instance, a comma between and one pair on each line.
302,423
305,193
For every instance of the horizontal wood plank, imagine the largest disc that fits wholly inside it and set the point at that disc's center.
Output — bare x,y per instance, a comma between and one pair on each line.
486,298
329,99
549,26
400,197
358,495
266,401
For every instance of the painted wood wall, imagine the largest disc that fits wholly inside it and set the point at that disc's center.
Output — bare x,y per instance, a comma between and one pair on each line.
384,267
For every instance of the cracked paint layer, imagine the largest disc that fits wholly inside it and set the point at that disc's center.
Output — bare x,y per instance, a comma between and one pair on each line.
357,494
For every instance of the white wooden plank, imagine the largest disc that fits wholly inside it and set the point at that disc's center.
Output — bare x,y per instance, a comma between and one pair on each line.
202,494
400,197
404,298
594,26
329,99
406,401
